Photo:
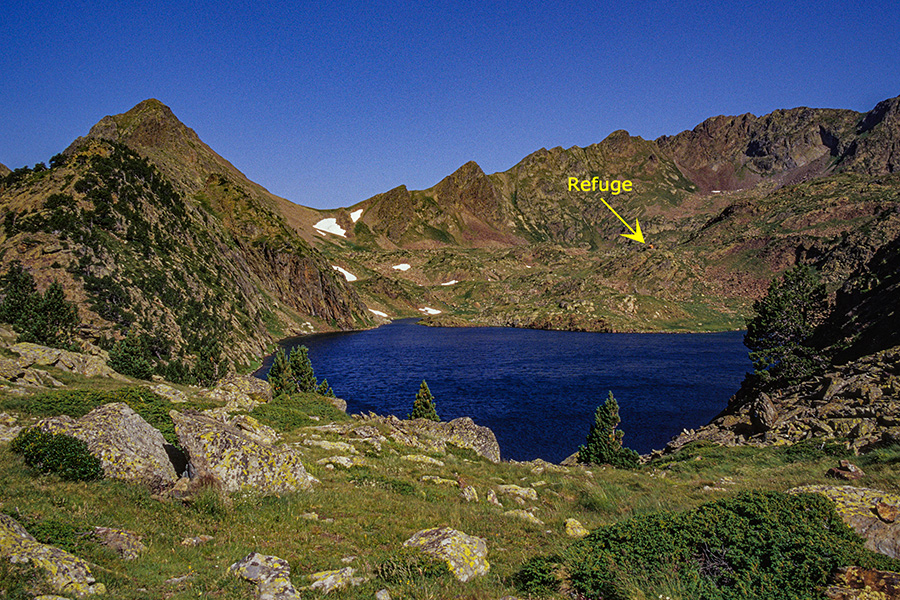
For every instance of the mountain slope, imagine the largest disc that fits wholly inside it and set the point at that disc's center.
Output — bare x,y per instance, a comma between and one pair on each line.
724,207
150,230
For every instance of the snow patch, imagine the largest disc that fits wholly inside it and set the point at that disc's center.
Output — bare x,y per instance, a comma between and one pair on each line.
331,226
451,282
347,274
355,215
430,311
401,267
377,312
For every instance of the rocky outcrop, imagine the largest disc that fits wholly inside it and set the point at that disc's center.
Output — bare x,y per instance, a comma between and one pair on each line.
67,574
128,447
272,576
337,579
226,455
73,362
465,555
861,509
856,401
240,392
461,432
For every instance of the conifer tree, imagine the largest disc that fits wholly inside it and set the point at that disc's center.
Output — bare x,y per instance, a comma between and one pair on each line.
604,442
129,356
324,389
302,370
423,405
46,319
280,376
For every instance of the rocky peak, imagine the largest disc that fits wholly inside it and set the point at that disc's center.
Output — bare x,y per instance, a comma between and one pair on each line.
470,189
4,170
877,149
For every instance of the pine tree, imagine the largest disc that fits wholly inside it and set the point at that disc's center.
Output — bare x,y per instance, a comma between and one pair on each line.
58,319
423,406
778,336
302,370
46,319
129,356
20,296
604,442
324,389
280,377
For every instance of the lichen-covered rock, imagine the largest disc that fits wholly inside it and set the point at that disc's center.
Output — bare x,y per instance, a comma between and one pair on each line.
67,574
575,529
465,555
255,430
74,362
438,480
128,545
241,392
468,493
342,461
272,576
421,458
517,491
858,507
524,515
461,432
128,447
174,396
9,428
856,583
492,498
333,446
236,461
339,579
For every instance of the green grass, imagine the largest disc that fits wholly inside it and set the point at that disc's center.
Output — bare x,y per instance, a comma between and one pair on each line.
377,506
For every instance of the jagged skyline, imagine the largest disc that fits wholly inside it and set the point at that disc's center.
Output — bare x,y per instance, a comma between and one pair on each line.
329,106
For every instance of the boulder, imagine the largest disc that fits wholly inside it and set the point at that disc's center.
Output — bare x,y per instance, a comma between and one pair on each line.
519,492
339,579
167,391
240,392
74,362
332,446
421,458
67,574
847,471
126,544
524,515
236,461
272,576
575,529
9,428
128,447
461,432
468,493
859,508
465,555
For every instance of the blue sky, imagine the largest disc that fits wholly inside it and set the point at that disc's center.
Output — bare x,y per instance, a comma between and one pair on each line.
329,103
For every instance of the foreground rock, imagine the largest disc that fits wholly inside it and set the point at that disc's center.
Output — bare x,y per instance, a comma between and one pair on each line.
234,460
465,555
339,579
272,576
128,447
856,401
860,509
67,574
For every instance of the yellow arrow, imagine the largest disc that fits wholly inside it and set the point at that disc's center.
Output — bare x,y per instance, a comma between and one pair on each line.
634,235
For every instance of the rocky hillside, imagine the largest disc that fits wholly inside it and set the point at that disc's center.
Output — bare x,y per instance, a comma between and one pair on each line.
724,208
149,229
853,395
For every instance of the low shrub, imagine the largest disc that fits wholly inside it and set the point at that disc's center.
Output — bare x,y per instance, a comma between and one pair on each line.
64,455
538,576
286,412
410,565
757,545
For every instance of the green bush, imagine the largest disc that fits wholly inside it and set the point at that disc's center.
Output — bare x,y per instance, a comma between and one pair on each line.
46,319
757,545
604,442
286,413
130,356
64,455
538,576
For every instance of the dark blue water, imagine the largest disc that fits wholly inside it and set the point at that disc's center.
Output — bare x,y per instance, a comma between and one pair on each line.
537,390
